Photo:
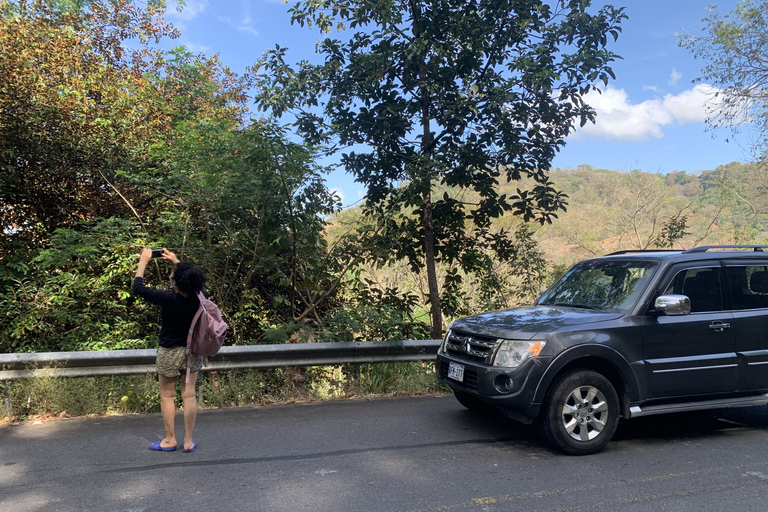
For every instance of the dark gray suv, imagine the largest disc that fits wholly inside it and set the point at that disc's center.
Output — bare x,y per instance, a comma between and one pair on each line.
630,334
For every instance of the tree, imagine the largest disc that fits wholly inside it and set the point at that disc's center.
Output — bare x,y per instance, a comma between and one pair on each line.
449,95
71,113
246,205
79,112
250,206
673,230
733,48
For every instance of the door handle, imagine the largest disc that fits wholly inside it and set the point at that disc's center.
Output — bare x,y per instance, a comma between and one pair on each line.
719,326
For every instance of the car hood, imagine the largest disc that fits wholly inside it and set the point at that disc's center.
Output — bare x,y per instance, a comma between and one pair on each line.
526,322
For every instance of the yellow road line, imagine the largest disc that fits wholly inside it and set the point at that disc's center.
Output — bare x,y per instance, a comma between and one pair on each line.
750,478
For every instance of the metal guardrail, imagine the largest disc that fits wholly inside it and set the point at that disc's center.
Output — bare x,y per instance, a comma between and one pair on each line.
134,362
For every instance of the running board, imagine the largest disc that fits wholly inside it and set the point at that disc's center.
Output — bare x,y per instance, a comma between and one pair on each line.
637,411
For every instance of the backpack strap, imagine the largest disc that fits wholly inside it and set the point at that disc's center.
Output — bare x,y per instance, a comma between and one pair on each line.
192,326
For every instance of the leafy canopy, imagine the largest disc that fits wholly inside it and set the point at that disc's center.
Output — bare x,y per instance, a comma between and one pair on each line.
73,111
446,94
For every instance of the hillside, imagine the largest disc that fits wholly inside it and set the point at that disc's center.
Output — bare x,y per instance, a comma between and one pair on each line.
610,210
607,211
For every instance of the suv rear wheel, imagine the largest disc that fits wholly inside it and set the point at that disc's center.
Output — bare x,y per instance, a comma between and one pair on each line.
581,413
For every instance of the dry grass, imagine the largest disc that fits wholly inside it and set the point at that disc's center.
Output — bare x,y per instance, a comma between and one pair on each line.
48,398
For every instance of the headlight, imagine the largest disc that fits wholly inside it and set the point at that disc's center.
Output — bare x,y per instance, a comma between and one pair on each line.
512,353
445,338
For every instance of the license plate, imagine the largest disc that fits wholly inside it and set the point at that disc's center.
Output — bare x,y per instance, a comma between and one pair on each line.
456,372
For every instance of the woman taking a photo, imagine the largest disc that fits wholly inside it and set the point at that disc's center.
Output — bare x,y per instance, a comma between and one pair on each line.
178,309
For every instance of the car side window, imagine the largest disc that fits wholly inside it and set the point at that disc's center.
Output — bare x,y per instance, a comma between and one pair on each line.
749,286
701,286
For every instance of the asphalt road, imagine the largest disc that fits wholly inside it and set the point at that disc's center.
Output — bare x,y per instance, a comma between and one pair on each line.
412,454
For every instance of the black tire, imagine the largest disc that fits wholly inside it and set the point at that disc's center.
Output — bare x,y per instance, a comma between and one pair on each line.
580,413
473,403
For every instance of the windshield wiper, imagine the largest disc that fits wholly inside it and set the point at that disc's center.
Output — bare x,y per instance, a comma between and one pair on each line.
569,305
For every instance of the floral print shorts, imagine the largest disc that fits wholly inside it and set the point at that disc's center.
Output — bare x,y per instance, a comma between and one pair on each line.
173,361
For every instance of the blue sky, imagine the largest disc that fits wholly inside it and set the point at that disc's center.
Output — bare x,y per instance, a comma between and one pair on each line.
650,118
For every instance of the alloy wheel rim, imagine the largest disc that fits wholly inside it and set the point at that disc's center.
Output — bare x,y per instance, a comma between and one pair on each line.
585,413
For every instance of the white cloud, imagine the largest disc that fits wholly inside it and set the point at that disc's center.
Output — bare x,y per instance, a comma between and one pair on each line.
250,30
246,25
190,10
619,119
675,77
691,106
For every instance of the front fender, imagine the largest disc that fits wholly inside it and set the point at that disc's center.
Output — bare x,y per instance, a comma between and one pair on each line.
593,352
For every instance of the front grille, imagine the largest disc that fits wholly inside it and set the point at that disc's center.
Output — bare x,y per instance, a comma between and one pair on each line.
470,378
468,346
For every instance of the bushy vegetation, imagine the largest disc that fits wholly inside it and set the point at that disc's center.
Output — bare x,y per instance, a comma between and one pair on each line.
144,148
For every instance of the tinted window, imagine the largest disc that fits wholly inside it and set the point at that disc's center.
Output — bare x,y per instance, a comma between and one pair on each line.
601,284
749,286
701,285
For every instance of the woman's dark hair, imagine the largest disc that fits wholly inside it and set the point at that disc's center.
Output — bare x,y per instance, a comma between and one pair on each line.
189,278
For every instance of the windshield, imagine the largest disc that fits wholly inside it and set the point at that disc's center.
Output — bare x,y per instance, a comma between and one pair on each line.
601,284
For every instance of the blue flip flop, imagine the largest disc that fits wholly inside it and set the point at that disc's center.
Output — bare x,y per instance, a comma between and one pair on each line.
157,448
194,445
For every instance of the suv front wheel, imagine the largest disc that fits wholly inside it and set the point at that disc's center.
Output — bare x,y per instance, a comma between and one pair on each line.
581,413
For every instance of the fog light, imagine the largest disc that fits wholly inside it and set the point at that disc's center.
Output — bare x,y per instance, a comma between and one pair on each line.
504,384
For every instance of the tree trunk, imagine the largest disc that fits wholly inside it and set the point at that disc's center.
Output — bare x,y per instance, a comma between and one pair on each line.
435,308
435,312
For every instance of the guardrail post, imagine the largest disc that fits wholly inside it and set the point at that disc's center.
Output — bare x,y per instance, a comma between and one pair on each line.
7,400
356,374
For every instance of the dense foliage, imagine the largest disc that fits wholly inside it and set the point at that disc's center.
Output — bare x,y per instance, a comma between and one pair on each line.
71,115
106,150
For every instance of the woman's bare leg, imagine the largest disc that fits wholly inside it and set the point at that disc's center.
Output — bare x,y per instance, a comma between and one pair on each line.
168,409
190,408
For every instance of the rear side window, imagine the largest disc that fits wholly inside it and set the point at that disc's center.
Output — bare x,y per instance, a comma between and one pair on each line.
749,286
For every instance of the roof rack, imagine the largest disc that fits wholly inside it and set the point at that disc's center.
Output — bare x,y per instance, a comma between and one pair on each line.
705,248
631,251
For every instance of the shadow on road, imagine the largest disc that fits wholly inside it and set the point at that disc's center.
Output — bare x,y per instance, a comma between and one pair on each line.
496,425
693,424
667,427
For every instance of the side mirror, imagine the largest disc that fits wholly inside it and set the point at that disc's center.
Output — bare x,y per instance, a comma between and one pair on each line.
673,305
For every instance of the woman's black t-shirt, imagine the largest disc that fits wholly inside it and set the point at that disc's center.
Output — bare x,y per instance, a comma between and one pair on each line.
177,312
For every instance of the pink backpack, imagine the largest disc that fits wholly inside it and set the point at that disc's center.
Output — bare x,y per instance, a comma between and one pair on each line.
206,334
